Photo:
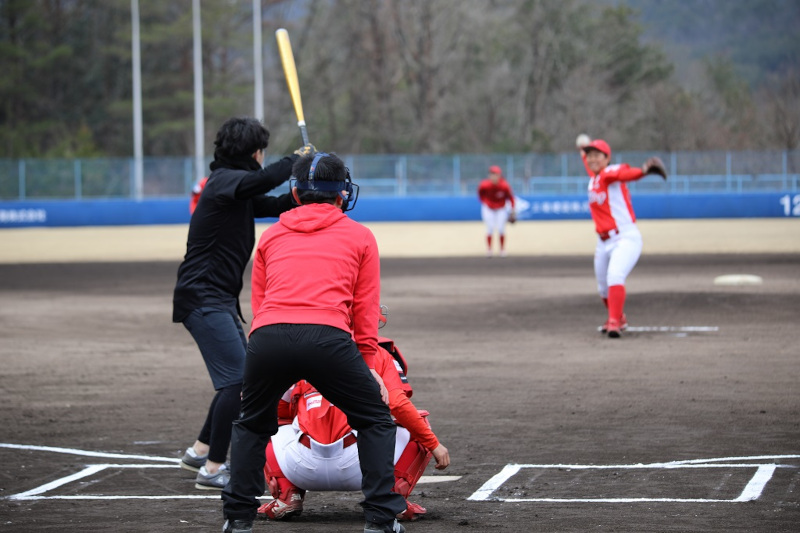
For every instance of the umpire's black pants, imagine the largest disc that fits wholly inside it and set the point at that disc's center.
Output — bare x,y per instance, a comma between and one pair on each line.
282,354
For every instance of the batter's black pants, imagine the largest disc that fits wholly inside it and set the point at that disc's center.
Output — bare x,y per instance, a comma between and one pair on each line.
280,355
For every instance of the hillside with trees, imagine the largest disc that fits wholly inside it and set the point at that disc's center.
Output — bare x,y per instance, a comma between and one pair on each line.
411,76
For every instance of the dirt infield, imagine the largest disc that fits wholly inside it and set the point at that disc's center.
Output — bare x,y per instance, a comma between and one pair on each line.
690,422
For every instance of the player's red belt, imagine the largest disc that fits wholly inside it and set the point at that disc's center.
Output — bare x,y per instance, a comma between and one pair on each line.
604,236
349,440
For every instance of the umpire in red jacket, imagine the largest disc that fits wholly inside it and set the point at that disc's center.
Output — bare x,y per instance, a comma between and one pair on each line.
316,305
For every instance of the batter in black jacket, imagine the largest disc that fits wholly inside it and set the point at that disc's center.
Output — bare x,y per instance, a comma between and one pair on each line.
206,297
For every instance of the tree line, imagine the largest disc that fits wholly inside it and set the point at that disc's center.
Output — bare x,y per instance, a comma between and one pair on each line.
377,76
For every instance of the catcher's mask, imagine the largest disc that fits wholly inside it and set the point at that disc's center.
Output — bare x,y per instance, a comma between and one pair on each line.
348,191
383,317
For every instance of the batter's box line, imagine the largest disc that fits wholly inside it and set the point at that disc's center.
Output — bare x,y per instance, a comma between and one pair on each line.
752,491
39,493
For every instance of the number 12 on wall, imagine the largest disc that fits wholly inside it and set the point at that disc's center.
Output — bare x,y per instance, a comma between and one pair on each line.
791,205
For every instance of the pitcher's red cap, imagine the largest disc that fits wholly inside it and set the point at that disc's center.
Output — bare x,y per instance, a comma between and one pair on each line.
600,145
494,169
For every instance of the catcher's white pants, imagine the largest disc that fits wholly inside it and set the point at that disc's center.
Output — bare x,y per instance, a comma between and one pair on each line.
615,258
495,219
323,466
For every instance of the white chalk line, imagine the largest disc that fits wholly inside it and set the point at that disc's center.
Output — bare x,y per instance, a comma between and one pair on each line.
90,470
669,329
87,453
752,490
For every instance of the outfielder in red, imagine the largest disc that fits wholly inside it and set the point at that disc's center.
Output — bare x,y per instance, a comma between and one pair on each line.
497,207
619,243
313,449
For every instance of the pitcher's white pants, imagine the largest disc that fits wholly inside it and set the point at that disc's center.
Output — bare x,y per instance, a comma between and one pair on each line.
615,258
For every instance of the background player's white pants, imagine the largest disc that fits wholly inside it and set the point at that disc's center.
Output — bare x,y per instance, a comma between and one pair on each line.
323,466
615,258
495,219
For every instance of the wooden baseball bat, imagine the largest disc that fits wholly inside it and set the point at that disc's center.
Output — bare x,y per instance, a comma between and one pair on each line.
290,71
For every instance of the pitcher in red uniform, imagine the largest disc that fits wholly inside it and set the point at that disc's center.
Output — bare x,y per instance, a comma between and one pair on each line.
619,243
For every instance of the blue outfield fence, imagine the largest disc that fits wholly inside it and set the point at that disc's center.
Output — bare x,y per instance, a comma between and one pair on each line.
60,213
103,192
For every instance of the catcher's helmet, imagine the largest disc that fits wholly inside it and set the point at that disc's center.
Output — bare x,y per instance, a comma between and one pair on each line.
347,190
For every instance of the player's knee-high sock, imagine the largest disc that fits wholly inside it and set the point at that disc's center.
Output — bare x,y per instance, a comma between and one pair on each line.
616,301
278,484
605,302
488,242
502,242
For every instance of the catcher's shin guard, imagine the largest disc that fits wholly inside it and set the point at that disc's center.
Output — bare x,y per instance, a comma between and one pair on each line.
277,482
410,467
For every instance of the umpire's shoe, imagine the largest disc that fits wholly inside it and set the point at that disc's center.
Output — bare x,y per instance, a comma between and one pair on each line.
237,526
387,527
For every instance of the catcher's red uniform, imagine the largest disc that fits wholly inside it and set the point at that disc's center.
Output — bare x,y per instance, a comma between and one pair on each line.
313,450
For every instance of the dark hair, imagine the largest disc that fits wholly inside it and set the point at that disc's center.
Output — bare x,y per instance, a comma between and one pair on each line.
241,136
329,168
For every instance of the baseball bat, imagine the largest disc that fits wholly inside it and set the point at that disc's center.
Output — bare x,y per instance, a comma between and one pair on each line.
290,71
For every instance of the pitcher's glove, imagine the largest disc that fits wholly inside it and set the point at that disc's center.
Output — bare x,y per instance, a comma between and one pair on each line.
654,165
512,217
307,150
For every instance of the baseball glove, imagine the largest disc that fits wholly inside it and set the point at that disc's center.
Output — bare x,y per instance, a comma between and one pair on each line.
512,217
654,165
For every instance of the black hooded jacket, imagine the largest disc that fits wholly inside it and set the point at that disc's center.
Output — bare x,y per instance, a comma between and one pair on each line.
222,232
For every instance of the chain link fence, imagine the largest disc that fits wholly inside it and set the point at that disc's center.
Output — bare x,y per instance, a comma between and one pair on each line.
412,175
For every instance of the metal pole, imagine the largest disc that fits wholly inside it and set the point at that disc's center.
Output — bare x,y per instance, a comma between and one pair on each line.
456,175
258,63
76,168
21,175
199,130
138,167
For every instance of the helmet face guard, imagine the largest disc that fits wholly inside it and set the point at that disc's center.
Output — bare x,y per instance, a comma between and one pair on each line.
348,191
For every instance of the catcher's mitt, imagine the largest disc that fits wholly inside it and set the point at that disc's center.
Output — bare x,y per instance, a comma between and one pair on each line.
654,165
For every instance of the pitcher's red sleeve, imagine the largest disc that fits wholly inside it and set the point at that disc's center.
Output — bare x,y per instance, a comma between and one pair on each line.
623,172
408,417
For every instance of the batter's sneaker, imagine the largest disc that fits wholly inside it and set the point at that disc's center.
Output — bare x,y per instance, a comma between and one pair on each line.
237,526
614,330
388,527
206,481
413,512
282,509
192,461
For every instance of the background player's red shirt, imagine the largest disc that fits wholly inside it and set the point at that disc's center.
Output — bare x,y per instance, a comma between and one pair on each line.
495,195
